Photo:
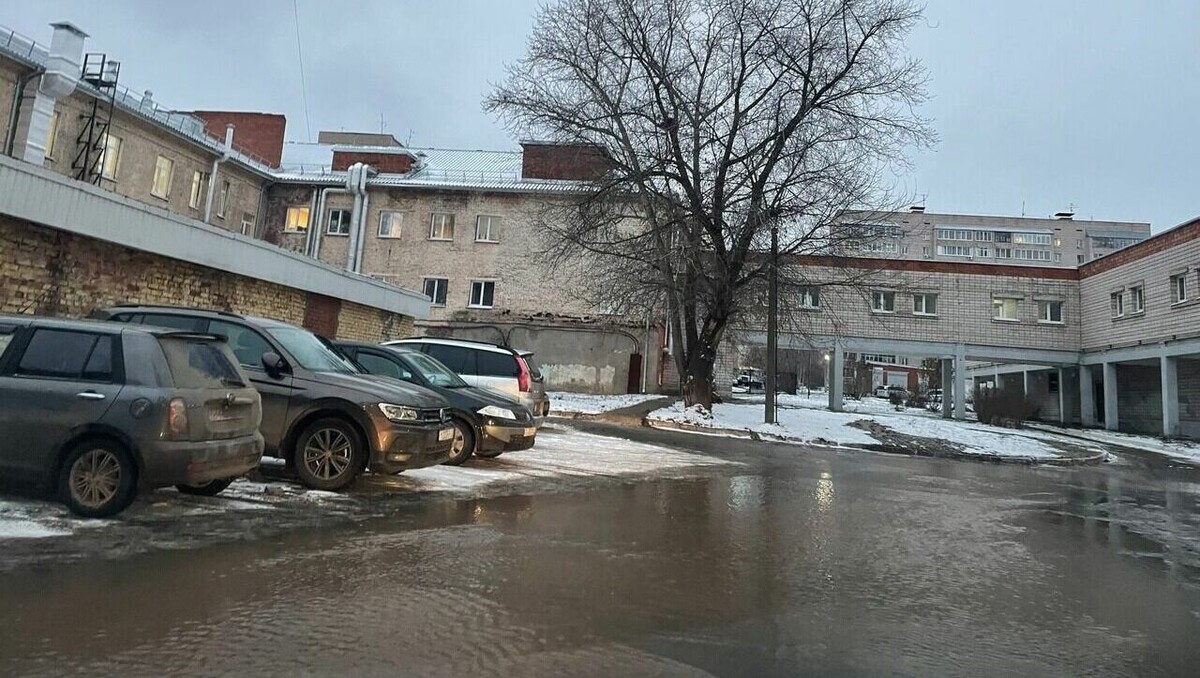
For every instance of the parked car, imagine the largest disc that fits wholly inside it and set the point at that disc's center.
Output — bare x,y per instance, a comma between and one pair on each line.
488,366
320,412
486,422
96,411
934,395
887,391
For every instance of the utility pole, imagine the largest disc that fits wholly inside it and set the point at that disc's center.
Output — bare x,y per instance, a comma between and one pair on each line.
772,323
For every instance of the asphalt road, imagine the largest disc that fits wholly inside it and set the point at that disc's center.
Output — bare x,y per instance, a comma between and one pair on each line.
672,555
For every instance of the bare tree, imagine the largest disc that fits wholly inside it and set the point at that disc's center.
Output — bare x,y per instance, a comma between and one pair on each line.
722,119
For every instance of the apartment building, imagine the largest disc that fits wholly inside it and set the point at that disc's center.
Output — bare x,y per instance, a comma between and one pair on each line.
1059,241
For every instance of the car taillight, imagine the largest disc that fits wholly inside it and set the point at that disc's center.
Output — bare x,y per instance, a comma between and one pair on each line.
522,374
177,416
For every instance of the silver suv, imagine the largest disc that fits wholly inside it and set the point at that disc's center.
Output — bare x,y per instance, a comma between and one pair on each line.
485,365
97,410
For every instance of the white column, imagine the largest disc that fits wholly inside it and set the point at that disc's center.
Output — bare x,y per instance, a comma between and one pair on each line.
960,382
1025,381
1111,415
1087,399
947,385
837,377
1062,396
1170,395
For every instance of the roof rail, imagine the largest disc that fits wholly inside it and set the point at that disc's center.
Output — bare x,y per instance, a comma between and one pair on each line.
169,307
464,341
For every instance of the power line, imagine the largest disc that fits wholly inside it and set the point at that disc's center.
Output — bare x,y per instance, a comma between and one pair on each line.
300,56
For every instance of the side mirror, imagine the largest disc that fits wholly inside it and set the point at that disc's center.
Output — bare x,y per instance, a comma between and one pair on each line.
273,364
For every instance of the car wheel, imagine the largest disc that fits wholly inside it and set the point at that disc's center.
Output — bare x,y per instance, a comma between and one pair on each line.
98,479
329,455
489,455
464,443
210,489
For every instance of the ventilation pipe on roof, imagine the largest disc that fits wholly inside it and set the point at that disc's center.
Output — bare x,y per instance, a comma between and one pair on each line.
315,251
362,220
356,183
226,151
59,80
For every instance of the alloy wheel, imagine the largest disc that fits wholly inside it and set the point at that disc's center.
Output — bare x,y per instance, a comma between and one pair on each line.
95,478
328,454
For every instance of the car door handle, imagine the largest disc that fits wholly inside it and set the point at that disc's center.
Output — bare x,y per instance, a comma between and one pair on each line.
90,395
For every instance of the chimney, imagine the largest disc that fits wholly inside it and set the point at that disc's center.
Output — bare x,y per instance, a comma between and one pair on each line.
62,74
147,101
228,137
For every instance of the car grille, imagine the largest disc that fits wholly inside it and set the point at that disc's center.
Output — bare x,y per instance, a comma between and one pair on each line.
435,415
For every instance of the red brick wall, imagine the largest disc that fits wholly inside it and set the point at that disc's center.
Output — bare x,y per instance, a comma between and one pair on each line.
321,315
1162,241
397,163
563,161
260,134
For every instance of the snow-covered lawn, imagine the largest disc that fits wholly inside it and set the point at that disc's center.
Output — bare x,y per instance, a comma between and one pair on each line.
583,403
802,419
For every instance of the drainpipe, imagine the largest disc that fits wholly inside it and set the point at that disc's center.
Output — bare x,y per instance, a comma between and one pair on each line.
14,114
309,233
226,150
363,219
316,246
354,183
59,80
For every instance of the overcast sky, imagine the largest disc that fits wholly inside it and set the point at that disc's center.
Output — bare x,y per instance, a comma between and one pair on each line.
1039,103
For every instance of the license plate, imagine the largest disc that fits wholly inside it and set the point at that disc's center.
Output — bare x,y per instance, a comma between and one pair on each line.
530,431
446,434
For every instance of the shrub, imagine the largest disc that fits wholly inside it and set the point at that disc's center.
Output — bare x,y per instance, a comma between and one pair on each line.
1003,407
896,398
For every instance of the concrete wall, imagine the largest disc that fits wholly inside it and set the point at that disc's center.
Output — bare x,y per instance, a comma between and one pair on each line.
1151,265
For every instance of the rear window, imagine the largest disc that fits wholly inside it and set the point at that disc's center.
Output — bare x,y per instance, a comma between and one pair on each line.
457,358
63,354
497,364
5,340
196,363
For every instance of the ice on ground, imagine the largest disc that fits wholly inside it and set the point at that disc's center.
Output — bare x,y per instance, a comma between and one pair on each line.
1178,449
807,425
31,520
584,403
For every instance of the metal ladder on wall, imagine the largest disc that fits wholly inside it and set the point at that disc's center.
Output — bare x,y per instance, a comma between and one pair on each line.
92,140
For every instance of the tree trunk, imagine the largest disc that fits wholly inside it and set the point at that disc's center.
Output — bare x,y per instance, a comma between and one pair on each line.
698,382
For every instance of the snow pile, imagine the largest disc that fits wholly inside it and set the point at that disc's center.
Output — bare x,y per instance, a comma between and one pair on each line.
1177,449
584,403
802,425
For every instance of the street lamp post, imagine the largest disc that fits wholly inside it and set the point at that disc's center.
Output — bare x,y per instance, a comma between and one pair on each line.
772,322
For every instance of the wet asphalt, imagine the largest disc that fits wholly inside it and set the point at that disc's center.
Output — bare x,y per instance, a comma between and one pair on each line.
791,561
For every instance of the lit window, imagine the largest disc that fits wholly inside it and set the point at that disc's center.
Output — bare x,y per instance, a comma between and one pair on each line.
389,224
925,304
1116,302
487,229
435,289
482,294
1179,288
1137,299
163,169
52,134
883,302
1050,312
199,185
297,220
441,226
223,200
110,157
1005,308
810,297
339,223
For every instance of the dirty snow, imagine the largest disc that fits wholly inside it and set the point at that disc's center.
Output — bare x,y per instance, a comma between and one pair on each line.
806,425
20,520
584,403
1178,449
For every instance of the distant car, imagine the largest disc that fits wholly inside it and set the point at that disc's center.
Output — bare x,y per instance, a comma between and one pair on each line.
488,366
320,413
887,391
486,422
95,411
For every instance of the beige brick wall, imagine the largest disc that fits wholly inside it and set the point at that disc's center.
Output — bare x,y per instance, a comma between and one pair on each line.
1161,320
362,323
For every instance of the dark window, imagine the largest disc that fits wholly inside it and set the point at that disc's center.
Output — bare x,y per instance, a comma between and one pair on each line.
339,222
174,322
435,289
67,355
377,364
457,358
1052,385
248,345
199,364
497,364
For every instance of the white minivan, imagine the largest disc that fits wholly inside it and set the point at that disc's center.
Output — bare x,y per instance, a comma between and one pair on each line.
488,366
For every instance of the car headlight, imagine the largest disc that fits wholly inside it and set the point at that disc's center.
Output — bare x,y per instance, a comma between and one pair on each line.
497,412
398,412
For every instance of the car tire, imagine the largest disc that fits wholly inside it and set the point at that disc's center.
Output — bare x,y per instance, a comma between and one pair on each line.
489,455
210,489
464,441
328,454
97,479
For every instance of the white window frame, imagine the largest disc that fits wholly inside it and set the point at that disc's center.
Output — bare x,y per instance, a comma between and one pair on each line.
163,191
482,286
883,302
290,226
1137,298
223,200
983,252
493,228
394,221
437,224
1116,304
1045,317
329,222
999,303
248,223
199,184
1179,288
922,307
438,282
810,298
954,250
108,163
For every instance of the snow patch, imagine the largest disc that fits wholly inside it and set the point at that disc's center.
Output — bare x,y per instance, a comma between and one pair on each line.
584,403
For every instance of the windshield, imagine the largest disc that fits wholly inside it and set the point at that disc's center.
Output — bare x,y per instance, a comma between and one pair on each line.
307,349
434,372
